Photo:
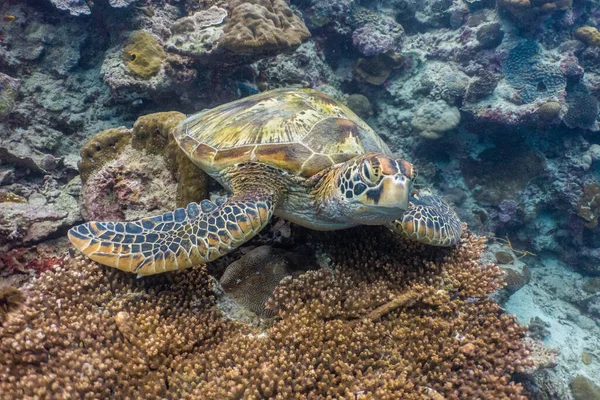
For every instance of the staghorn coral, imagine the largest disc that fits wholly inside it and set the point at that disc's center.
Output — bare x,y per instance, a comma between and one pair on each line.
80,333
393,319
143,55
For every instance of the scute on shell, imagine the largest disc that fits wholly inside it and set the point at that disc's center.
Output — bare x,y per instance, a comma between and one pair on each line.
298,130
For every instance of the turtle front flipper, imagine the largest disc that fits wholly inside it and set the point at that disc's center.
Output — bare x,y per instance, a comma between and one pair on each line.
175,240
429,220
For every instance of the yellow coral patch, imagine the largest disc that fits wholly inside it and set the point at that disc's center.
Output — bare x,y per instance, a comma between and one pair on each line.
143,55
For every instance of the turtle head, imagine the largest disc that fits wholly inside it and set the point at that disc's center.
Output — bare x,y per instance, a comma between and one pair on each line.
375,188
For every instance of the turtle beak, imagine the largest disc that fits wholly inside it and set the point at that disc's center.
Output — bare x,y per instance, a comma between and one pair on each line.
393,192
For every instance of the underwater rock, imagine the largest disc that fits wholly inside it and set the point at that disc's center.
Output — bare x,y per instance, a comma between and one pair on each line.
140,69
376,33
132,186
130,173
45,214
501,174
490,35
360,104
250,281
584,388
375,70
9,88
74,7
333,15
588,206
432,119
84,7
305,67
198,35
527,12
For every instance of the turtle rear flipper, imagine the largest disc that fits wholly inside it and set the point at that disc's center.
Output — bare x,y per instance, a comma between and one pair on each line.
176,240
429,220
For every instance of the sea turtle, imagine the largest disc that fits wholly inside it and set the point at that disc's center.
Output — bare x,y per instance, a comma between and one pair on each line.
294,153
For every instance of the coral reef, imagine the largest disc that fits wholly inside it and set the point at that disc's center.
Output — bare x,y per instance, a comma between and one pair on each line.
8,92
520,163
583,108
589,35
143,55
529,75
262,26
527,11
392,318
129,173
250,31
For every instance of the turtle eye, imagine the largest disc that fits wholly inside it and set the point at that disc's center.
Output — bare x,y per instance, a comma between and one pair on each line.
371,173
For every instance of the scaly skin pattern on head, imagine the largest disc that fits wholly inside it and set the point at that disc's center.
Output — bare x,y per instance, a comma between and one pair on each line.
187,236
431,221
371,189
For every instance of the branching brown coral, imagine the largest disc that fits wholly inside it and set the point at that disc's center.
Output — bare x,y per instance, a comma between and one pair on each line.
83,334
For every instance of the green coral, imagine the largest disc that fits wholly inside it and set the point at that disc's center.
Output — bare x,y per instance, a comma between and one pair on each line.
143,55
102,148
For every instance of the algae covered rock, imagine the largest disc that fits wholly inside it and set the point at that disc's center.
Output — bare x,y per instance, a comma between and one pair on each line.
129,173
8,92
143,55
434,118
360,104
198,35
249,31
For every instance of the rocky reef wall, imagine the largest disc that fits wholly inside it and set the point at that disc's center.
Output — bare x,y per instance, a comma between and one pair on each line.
496,103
